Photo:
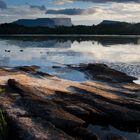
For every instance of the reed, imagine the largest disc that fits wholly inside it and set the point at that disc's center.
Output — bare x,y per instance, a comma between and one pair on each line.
3,127
2,90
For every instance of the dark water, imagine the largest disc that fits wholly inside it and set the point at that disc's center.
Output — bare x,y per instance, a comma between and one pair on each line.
121,53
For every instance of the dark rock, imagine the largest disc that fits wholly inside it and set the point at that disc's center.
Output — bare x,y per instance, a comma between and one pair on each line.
32,68
57,105
44,74
45,108
50,112
106,110
114,137
56,67
76,110
7,51
104,73
27,127
85,134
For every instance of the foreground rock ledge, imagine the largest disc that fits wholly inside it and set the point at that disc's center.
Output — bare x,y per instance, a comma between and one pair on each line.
40,106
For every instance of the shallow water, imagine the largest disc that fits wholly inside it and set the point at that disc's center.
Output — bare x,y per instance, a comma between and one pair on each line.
121,53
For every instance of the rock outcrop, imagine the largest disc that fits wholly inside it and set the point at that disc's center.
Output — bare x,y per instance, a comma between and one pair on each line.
40,106
104,73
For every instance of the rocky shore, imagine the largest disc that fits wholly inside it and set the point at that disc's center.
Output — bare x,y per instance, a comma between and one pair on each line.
41,106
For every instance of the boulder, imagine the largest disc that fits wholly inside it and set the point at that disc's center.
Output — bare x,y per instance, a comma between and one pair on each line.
104,73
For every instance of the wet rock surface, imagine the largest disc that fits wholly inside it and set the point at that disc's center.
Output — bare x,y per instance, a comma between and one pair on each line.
32,68
50,108
104,73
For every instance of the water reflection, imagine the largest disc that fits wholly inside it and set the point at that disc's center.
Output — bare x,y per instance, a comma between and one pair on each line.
4,61
121,53
40,43
104,40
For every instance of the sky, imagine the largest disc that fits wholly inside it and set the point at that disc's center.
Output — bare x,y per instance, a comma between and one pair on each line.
82,12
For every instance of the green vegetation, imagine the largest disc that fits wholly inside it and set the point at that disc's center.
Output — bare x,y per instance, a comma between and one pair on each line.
2,90
14,96
28,68
120,29
3,127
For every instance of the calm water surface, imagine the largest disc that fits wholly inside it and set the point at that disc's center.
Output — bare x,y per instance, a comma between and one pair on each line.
120,53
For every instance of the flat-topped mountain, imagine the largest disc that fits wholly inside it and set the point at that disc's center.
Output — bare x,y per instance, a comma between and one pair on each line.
50,22
111,22
64,26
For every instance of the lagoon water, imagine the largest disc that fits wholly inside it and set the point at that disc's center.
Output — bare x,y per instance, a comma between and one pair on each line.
121,53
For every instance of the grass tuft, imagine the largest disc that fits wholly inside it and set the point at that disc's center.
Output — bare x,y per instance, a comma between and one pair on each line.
2,90
3,127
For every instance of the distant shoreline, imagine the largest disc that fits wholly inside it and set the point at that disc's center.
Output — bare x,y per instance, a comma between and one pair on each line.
67,35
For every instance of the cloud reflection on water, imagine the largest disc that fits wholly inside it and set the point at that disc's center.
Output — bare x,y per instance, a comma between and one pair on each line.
120,53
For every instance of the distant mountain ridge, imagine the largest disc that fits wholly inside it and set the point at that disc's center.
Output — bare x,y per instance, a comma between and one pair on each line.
50,22
64,26
112,22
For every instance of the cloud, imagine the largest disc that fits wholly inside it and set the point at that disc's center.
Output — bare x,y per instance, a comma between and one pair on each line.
3,5
98,1
128,12
94,14
13,13
72,11
42,8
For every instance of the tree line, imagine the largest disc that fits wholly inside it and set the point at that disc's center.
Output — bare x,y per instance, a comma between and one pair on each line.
108,29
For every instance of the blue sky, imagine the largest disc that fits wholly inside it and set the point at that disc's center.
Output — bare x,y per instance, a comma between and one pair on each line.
80,11
49,3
